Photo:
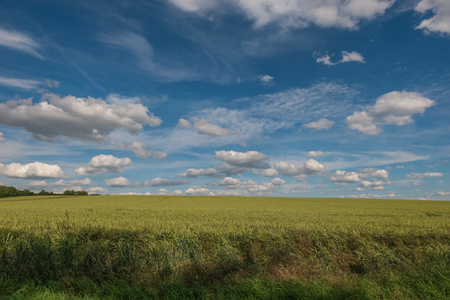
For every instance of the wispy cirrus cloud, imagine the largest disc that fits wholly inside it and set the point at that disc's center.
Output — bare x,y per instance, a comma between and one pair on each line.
25,84
19,41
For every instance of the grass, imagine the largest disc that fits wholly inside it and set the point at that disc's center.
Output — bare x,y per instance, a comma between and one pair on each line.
175,247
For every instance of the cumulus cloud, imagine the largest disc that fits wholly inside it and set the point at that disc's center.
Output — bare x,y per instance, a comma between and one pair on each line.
424,175
440,21
346,57
60,183
265,79
376,185
118,182
19,41
139,149
311,167
159,155
267,172
163,182
25,84
97,190
250,185
194,173
315,153
183,123
343,177
394,108
104,163
322,124
371,172
229,170
205,127
441,193
36,170
198,191
298,13
71,117
249,159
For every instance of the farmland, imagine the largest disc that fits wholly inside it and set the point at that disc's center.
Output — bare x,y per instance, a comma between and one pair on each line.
136,247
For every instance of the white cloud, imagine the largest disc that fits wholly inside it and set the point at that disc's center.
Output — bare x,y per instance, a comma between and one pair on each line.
267,172
308,105
440,21
297,13
322,124
229,170
204,127
376,185
278,181
371,172
193,5
344,177
250,185
104,163
65,183
159,155
20,42
163,192
346,57
351,56
183,123
34,170
198,191
164,182
393,108
265,79
441,193
26,84
326,60
424,175
139,149
193,173
249,159
134,43
2,139
311,167
118,182
71,117
52,83
97,190
315,153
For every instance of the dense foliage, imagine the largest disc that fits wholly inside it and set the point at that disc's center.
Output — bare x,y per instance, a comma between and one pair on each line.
129,247
9,191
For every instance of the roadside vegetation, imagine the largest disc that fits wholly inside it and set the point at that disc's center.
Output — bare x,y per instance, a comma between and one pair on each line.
181,247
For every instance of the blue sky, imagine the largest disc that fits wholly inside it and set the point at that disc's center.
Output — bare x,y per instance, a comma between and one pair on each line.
304,98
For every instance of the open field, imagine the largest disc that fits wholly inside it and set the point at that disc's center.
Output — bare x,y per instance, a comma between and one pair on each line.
223,247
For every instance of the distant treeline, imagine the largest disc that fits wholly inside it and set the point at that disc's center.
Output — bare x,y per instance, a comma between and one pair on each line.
10,191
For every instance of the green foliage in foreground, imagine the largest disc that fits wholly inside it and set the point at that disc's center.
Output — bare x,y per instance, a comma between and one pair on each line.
160,247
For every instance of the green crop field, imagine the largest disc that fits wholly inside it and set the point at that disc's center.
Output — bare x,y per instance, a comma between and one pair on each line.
180,247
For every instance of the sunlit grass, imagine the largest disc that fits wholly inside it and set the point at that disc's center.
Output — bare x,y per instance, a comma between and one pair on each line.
158,244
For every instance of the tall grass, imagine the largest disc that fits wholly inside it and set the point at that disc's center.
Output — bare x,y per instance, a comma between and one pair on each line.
224,248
